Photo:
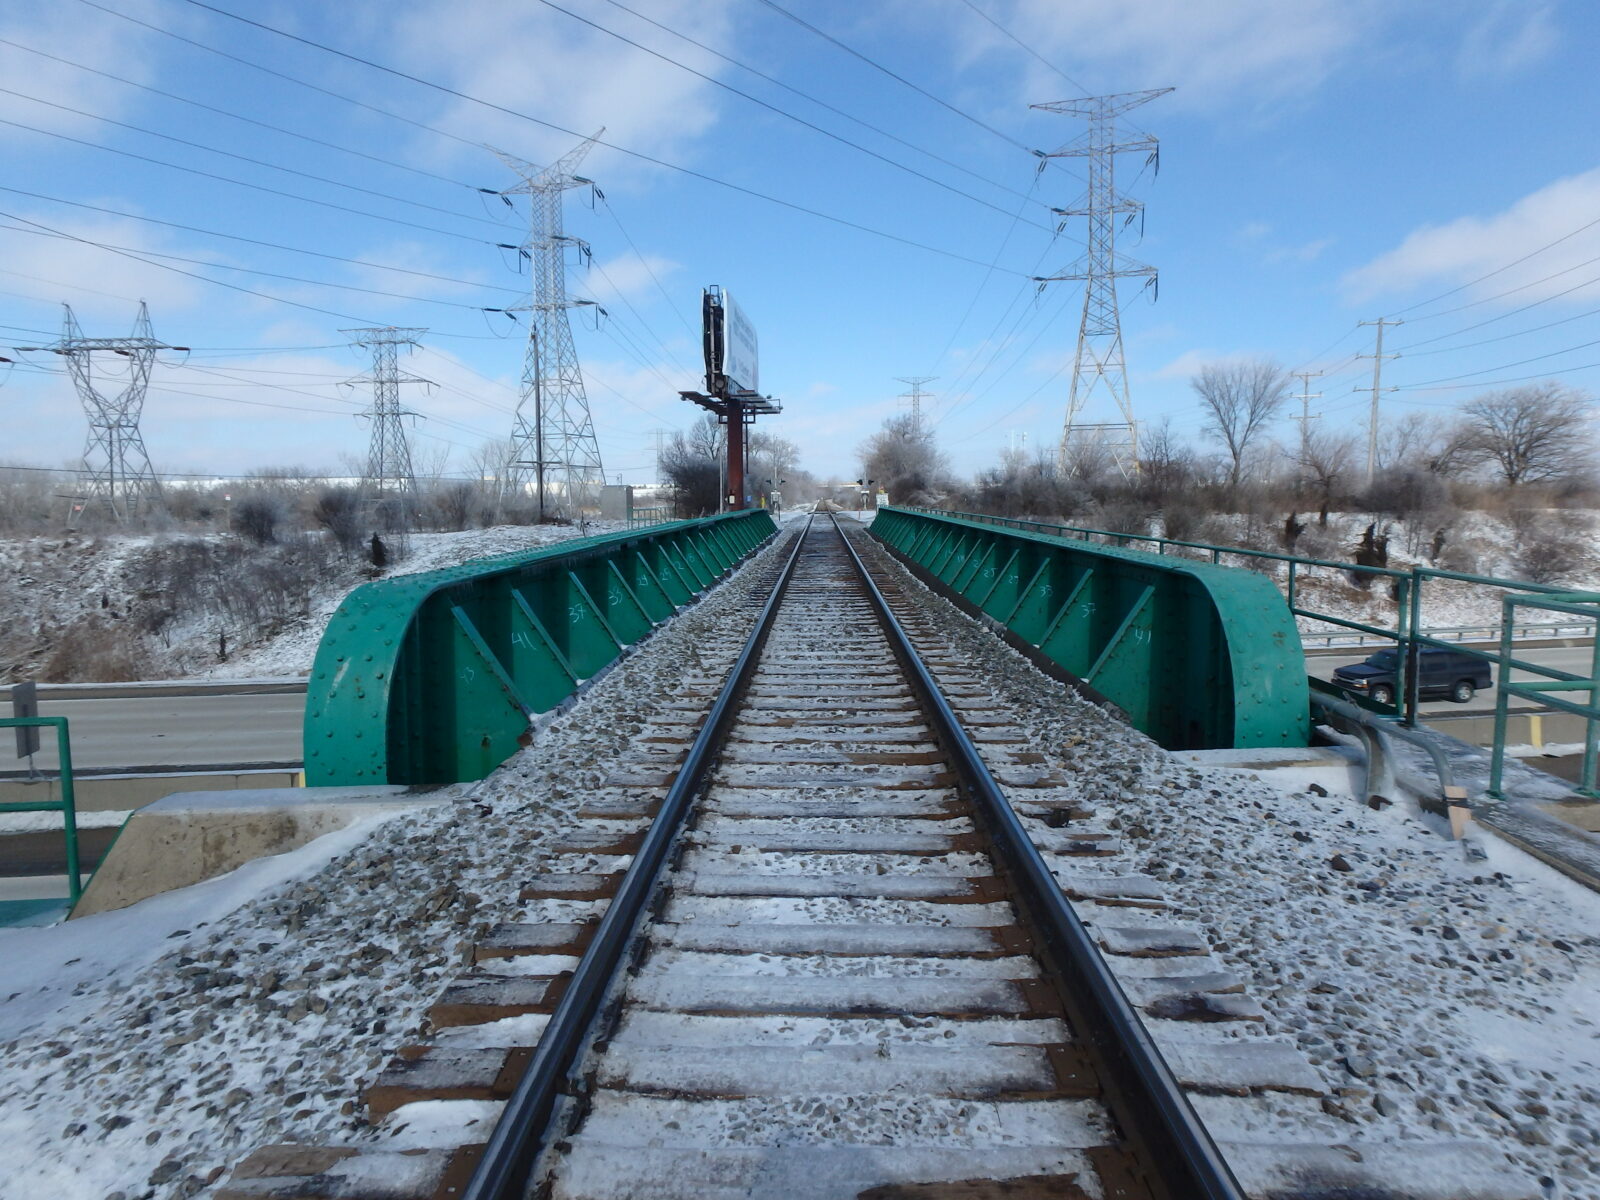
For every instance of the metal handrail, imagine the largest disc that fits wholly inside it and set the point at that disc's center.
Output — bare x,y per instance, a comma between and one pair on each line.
1571,603
640,517
1179,1148
67,805
524,1125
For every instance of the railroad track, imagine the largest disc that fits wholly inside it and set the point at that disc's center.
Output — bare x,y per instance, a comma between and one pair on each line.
826,969
800,947
800,944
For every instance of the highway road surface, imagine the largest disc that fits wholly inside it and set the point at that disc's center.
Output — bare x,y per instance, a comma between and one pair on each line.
1576,659
182,732
210,730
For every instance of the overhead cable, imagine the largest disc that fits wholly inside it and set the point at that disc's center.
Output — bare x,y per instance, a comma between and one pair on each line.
489,104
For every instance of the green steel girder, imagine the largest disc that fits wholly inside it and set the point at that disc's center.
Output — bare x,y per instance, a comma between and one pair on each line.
433,678
1199,656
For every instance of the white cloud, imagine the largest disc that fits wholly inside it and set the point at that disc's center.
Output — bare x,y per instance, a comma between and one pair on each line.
1469,247
1212,52
1509,37
535,60
1186,364
69,31
99,284
1305,252
629,275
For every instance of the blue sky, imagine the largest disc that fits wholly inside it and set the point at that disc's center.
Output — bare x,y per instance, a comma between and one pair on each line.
1323,162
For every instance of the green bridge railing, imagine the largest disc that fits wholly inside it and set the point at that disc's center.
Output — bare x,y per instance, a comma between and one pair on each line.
434,677
67,806
1198,656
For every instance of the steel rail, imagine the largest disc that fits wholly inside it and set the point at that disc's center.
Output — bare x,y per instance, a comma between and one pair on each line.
507,1163
1142,1091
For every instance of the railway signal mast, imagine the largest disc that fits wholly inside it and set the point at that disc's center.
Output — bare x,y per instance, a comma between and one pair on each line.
118,468
558,446
1099,366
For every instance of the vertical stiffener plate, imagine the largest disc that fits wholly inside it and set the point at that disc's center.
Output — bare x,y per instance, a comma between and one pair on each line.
433,678
1199,656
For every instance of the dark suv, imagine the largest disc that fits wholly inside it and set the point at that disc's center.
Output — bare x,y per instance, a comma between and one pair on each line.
1441,673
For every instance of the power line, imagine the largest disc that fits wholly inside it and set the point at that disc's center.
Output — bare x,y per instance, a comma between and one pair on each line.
782,112
257,187
220,282
645,263
489,104
901,79
234,237
200,262
1024,45
987,275
223,112
1504,336
1577,287
1513,291
1515,262
1496,382
327,312
258,162
1505,366
776,82
965,380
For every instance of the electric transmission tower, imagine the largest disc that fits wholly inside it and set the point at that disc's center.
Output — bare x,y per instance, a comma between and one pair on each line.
389,476
916,395
558,446
115,463
1099,366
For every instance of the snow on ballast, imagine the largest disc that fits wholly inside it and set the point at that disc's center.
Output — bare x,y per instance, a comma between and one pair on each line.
835,993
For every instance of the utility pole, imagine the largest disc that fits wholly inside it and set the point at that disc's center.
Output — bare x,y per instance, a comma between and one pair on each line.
561,434
916,395
1377,357
1100,358
389,475
1305,397
114,458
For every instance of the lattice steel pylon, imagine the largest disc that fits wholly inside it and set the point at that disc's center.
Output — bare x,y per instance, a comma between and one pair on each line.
114,458
389,475
1100,366
557,447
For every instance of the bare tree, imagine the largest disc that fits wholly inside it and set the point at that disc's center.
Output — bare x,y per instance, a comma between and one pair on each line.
492,464
1166,463
771,461
693,465
903,458
1531,434
1324,461
1240,398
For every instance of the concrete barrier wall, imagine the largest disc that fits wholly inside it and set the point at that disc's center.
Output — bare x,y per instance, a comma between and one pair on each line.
193,836
117,793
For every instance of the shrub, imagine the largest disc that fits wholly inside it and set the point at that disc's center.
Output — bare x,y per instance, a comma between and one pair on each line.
257,518
94,650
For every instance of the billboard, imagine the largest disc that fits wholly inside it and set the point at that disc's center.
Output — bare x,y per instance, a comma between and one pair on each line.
733,359
741,354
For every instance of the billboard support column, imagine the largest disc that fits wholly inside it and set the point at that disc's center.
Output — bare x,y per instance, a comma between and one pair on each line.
736,452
